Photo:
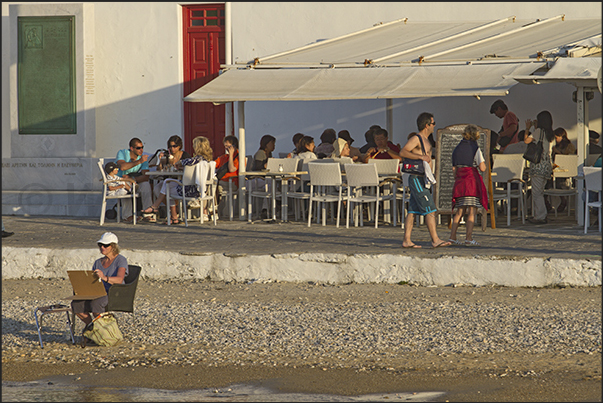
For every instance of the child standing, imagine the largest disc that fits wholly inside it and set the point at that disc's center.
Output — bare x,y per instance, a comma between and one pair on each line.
122,187
469,191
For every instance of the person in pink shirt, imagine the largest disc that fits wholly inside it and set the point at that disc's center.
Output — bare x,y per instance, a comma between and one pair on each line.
510,127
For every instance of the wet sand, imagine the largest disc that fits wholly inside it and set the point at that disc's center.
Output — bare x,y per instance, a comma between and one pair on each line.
507,376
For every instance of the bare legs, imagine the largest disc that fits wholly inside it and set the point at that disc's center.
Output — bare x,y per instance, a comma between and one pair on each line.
431,227
86,318
469,223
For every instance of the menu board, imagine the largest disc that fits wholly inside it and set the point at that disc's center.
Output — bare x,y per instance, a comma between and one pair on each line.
446,141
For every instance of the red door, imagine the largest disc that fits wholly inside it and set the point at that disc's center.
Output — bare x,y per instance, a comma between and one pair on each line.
203,54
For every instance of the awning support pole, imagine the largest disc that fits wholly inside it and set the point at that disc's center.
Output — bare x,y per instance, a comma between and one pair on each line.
582,134
242,154
389,121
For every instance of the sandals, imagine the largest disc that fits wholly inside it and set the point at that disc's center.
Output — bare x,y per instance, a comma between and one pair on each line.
150,210
471,243
174,221
455,241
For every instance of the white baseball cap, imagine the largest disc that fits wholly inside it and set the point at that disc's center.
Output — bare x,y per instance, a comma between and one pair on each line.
108,238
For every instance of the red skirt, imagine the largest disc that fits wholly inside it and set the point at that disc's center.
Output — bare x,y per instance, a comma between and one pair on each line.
469,182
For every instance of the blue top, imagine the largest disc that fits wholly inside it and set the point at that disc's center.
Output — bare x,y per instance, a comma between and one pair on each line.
464,153
125,155
111,271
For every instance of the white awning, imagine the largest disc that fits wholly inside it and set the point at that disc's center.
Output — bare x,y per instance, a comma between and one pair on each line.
361,83
581,72
404,59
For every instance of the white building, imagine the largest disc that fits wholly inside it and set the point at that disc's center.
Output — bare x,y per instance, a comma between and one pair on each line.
133,63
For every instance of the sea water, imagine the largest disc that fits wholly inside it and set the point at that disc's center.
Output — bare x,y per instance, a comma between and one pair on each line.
51,392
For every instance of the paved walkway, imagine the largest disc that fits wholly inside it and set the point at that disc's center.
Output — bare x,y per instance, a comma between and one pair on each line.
560,240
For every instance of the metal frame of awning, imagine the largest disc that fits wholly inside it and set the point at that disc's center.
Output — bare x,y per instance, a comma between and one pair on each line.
455,47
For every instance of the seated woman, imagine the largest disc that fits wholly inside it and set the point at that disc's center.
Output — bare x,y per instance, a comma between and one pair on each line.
112,268
267,145
175,154
227,167
341,150
305,149
202,152
563,146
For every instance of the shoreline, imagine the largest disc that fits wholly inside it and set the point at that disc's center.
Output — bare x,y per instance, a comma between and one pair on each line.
360,339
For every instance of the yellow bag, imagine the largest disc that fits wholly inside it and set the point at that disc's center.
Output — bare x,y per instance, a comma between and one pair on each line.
103,330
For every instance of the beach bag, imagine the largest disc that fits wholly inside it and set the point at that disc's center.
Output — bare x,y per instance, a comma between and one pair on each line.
534,151
103,330
412,166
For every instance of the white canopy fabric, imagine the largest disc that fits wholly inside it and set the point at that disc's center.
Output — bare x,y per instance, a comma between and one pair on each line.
404,59
354,83
581,72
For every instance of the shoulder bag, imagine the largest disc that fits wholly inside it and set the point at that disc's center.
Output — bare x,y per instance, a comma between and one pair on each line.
534,151
103,330
414,166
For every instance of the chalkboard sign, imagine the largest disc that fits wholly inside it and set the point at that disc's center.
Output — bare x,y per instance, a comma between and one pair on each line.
446,141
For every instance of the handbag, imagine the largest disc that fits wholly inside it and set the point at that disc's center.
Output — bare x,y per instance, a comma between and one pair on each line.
223,170
414,166
103,330
534,151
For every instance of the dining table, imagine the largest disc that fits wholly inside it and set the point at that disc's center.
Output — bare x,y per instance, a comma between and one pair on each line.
284,177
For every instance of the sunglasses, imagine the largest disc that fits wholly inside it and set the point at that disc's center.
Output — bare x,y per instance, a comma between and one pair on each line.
172,146
139,148
102,245
432,123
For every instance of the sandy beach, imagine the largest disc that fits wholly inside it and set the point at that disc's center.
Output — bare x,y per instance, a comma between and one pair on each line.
542,366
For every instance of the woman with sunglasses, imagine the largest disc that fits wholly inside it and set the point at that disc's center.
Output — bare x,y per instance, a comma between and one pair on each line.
176,153
111,269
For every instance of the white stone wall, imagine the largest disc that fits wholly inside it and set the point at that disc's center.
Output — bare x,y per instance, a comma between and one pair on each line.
318,267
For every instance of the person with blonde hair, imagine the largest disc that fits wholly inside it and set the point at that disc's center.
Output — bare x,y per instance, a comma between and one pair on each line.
202,151
469,191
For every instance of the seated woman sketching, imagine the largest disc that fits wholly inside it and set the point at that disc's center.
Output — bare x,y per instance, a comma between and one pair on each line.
111,269
202,152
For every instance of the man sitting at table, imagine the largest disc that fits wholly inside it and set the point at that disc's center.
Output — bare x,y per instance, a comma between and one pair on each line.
384,150
133,163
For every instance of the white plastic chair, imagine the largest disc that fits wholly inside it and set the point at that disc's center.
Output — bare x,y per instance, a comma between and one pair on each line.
297,192
361,178
592,183
119,198
323,176
508,169
193,176
388,167
569,165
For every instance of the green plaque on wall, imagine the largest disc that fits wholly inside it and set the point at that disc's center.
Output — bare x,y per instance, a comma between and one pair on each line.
46,75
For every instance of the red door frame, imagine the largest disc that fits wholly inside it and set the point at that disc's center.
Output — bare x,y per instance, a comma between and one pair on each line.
203,42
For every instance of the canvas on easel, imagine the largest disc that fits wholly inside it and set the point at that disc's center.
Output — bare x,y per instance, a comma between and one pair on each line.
86,285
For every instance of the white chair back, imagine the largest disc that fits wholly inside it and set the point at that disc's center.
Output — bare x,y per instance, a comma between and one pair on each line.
324,174
567,162
507,167
273,164
386,167
592,178
361,175
188,177
290,164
